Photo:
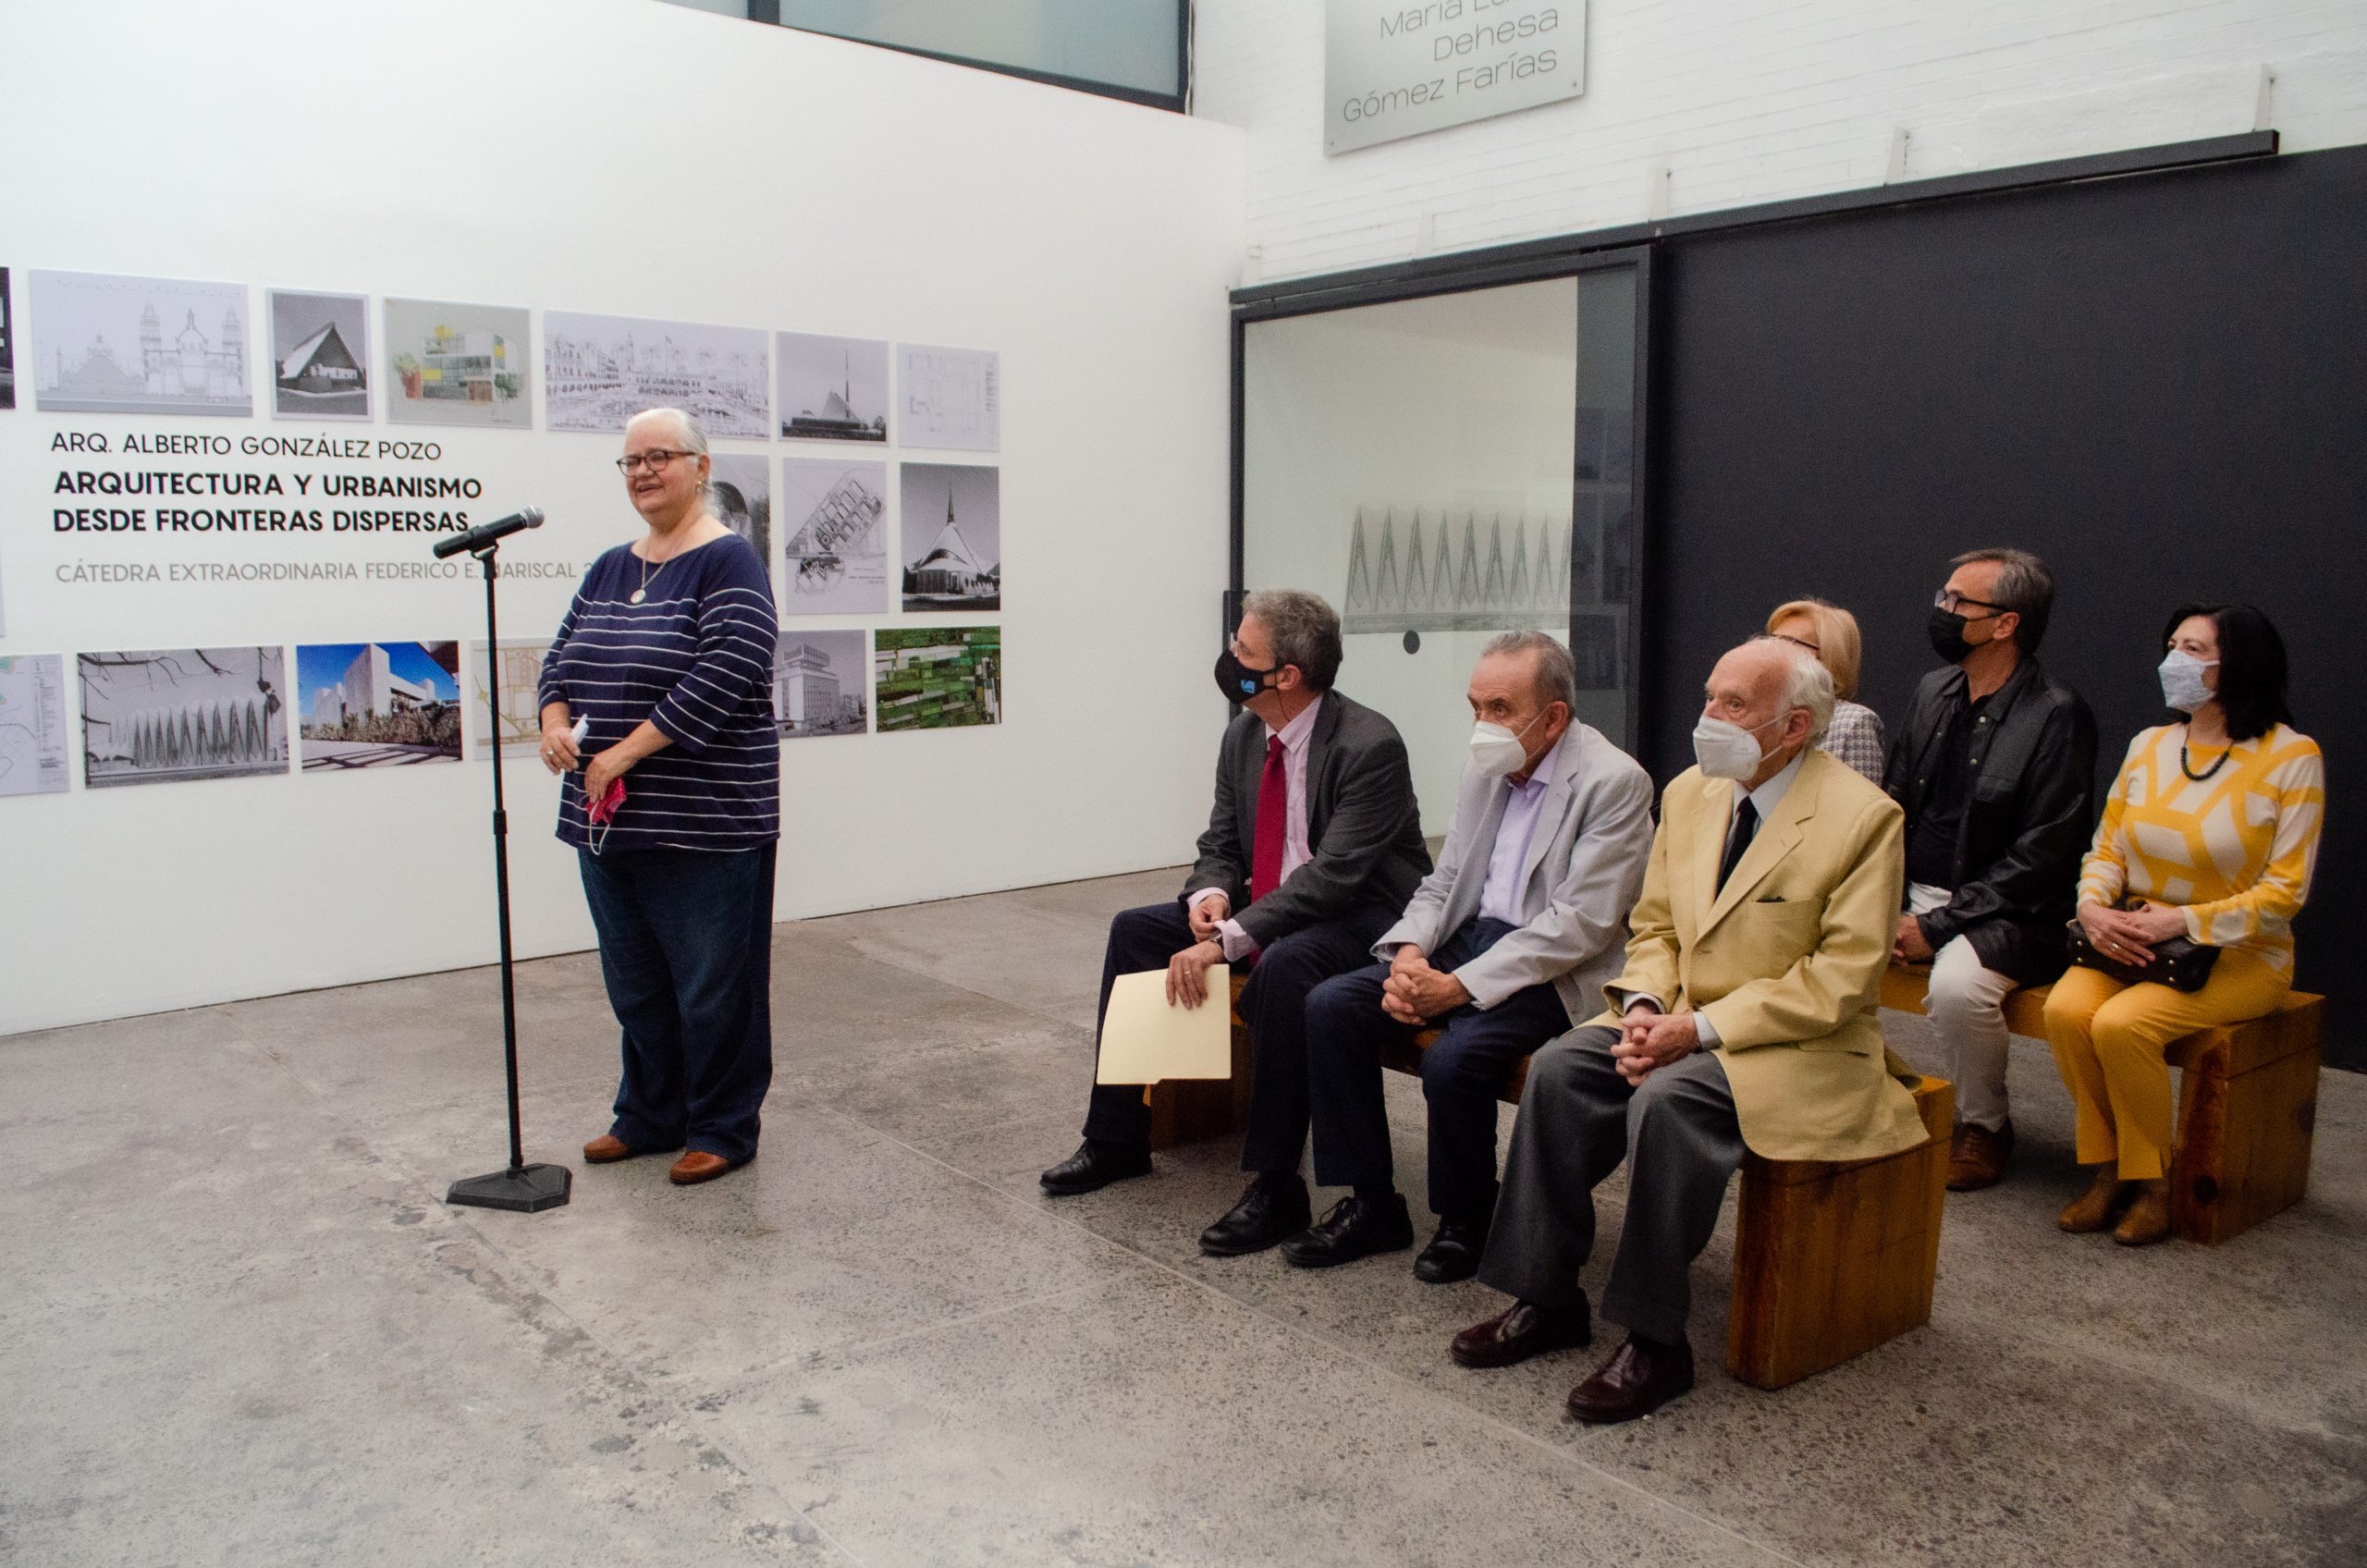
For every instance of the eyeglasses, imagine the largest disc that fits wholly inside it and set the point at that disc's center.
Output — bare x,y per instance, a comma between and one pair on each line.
1952,602
1796,643
655,460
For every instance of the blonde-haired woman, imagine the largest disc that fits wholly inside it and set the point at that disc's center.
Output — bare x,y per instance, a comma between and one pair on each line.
1831,634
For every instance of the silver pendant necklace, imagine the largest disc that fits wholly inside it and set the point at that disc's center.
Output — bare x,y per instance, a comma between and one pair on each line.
648,572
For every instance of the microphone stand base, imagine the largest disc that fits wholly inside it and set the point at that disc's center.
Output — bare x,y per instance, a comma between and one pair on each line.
530,1189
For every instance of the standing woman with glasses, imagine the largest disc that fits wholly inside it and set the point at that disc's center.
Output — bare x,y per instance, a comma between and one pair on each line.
2211,831
666,660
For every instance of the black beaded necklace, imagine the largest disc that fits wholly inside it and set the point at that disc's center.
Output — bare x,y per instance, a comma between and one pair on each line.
2186,766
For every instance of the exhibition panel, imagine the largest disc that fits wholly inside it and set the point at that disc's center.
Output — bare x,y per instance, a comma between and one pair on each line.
264,372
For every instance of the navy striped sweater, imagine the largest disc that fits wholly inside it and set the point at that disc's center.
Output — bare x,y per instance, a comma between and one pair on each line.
695,658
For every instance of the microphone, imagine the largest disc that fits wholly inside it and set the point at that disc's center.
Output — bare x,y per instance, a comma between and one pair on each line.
485,534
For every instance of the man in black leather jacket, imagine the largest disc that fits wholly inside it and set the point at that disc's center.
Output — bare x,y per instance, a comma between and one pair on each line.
1995,768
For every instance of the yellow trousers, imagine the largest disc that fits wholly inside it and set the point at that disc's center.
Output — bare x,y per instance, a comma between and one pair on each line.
2109,1041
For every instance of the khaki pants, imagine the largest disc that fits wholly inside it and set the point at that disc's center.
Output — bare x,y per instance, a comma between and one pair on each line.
2109,1041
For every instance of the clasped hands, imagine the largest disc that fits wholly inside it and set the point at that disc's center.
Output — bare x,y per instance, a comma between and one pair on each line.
2128,934
560,754
1649,1038
1414,992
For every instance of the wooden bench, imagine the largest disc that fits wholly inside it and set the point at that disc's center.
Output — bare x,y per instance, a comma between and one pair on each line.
2247,1112
1831,1259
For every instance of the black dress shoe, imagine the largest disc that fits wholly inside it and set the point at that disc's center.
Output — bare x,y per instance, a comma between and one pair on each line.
1454,1253
1524,1330
1639,1377
1353,1230
1272,1208
1095,1166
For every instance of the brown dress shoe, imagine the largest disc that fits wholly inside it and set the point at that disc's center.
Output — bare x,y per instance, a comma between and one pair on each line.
2096,1208
2148,1219
606,1149
1639,1377
1976,1157
700,1166
1520,1332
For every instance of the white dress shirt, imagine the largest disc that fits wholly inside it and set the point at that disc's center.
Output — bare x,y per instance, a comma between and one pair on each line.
1295,736
1500,897
1763,800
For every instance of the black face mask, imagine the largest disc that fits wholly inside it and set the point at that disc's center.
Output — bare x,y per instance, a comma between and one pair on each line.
1237,681
1946,630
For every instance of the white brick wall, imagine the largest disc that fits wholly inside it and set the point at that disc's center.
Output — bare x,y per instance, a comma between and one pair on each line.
1746,100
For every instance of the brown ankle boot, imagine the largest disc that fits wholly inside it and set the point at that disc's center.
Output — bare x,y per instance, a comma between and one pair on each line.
2148,1219
2094,1208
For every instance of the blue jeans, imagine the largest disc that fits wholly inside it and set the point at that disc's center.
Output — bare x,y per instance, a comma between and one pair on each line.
686,944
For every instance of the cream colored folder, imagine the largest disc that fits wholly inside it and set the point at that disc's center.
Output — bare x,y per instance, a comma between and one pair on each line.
1144,1040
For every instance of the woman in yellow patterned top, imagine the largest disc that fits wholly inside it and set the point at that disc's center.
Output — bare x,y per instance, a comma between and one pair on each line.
2214,823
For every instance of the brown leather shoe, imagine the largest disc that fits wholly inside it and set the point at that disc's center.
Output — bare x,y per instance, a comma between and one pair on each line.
698,1166
2099,1206
1520,1332
2148,1219
606,1149
1976,1157
1639,1377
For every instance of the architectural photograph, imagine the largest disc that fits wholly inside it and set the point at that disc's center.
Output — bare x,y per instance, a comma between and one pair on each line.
942,678
820,684
319,355
952,526
457,365
113,345
600,370
1439,571
835,558
8,347
169,715
739,488
831,389
377,705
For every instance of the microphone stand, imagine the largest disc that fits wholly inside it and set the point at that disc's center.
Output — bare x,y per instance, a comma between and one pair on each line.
526,1189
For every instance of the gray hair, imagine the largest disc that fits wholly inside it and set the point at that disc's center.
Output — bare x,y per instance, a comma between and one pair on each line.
1304,629
1808,685
687,429
2024,586
1557,672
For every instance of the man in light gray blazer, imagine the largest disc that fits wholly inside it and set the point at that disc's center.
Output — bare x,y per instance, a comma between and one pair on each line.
1505,946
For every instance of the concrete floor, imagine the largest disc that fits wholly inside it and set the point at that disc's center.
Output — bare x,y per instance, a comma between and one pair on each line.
239,1327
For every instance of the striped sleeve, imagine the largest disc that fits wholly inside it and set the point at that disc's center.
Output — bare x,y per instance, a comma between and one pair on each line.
2104,875
2268,906
733,664
551,688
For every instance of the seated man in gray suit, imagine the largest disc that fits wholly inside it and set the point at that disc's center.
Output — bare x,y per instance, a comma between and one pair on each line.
1312,846
1505,946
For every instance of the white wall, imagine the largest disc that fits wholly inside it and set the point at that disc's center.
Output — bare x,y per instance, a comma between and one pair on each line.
619,157
1748,101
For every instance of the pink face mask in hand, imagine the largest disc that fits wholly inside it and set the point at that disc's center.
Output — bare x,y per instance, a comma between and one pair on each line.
602,812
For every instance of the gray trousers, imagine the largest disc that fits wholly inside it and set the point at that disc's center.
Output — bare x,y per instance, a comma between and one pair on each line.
1578,1118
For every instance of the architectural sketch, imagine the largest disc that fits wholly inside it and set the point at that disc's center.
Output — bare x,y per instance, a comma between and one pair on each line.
319,355
378,705
837,557
832,388
740,487
820,684
600,370
522,719
1457,572
140,346
950,398
33,743
944,678
8,347
457,365
952,527
168,715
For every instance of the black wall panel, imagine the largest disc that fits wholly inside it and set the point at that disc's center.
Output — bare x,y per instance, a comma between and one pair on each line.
2158,383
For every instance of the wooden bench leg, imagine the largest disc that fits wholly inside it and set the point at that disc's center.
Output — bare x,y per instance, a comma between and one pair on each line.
1832,1260
2244,1141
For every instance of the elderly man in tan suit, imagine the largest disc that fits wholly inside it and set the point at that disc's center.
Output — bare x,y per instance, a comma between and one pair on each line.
1744,1019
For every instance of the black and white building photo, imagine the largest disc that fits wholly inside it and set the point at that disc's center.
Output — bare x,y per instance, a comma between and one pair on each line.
167,716
319,355
600,370
952,526
832,388
110,344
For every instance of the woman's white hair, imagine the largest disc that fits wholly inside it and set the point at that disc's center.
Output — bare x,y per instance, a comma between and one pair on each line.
686,428
1807,685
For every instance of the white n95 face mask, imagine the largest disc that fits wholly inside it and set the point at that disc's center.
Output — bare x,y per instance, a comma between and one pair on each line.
2182,686
1496,750
1726,750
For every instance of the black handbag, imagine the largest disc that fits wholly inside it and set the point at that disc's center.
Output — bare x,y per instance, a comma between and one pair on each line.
2178,962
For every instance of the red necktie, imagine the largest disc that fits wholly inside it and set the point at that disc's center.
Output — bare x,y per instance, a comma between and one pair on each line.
1274,823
